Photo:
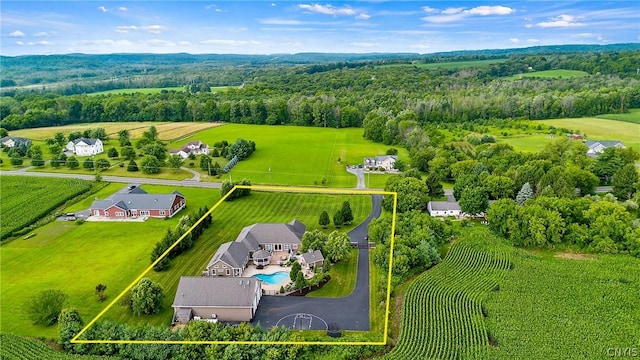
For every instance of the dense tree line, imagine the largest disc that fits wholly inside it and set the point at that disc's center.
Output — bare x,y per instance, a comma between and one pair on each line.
344,96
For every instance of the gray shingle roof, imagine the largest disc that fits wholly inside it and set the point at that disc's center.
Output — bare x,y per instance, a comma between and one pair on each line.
233,253
85,140
16,140
290,233
311,257
215,291
443,205
604,143
138,199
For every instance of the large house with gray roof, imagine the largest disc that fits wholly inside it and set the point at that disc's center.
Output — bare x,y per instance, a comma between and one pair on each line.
261,243
381,161
216,299
133,202
597,147
85,146
14,141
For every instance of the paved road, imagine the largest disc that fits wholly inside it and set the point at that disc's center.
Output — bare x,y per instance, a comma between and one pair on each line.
350,312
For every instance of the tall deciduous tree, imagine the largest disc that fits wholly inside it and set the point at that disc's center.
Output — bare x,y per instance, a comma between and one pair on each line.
412,194
474,201
146,297
150,165
44,307
624,182
175,162
337,246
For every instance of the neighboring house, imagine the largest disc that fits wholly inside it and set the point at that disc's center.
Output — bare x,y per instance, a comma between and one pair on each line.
85,147
381,161
597,147
444,208
260,243
311,259
12,141
134,202
195,147
216,299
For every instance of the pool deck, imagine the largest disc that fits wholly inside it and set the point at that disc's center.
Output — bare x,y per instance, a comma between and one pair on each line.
269,269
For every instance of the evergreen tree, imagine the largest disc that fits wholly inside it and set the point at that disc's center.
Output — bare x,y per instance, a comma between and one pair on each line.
524,194
324,220
434,186
132,166
347,214
338,219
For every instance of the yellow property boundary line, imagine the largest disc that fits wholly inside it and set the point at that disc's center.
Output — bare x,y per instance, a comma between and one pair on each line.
76,340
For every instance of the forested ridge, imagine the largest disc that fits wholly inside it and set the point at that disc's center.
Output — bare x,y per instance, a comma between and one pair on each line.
343,94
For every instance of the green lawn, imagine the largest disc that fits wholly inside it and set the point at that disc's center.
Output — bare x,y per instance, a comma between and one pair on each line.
527,143
556,305
297,155
343,278
75,258
139,90
602,129
228,219
550,74
632,116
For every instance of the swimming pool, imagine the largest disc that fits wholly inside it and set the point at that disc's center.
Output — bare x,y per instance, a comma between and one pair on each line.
273,279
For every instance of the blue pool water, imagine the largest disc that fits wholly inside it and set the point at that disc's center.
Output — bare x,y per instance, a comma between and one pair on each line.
273,279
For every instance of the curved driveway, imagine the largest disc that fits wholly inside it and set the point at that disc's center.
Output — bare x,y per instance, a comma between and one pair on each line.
350,312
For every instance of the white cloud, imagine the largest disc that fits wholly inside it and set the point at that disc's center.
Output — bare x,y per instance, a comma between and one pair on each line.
560,21
126,29
460,13
102,8
363,16
122,8
19,43
273,4
184,43
528,26
158,42
514,40
451,11
429,9
275,21
40,43
534,41
154,29
228,42
41,34
327,9
17,34
364,44
491,10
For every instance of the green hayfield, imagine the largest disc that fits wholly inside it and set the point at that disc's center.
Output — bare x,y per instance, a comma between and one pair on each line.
19,192
550,74
442,311
228,220
557,308
601,129
632,116
449,65
75,258
297,155
343,278
527,143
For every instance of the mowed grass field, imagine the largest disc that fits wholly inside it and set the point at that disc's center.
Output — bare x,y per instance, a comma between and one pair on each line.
167,131
632,116
602,129
298,155
228,220
560,306
560,73
75,258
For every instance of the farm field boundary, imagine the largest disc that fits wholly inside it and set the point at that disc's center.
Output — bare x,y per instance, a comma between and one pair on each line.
77,339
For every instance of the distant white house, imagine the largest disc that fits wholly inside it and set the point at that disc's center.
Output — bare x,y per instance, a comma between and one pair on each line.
12,141
380,161
597,147
85,146
195,147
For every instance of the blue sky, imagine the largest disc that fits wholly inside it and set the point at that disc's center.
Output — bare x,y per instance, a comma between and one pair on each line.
268,27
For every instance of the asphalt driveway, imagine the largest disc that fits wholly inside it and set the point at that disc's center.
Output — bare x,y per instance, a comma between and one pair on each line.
349,313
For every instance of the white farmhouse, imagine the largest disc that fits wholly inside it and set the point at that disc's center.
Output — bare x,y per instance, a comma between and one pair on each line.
597,147
85,147
380,161
444,208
